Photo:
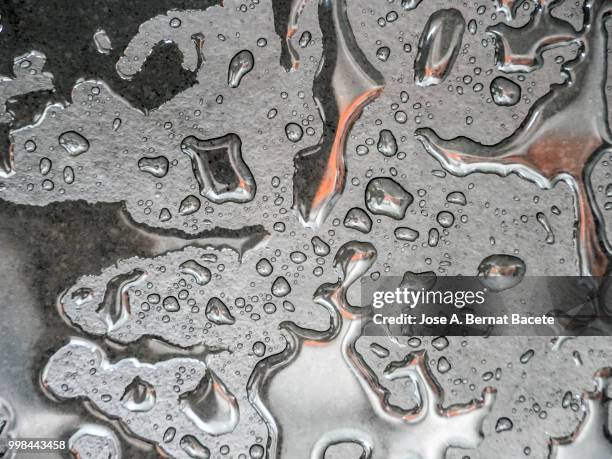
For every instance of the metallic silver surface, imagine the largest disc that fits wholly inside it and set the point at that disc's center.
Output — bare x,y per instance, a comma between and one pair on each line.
180,268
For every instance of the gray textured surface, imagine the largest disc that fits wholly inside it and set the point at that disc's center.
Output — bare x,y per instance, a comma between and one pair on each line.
84,260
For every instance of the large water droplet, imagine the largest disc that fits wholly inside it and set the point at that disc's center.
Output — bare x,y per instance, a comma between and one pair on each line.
445,219
139,395
387,197
157,166
505,92
102,41
439,46
218,313
503,425
358,219
281,287
194,449
320,247
74,143
501,272
201,274
264,267
219,168
241,64
406,234
189,205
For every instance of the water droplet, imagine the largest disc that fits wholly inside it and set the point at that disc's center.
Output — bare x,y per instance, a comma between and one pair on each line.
157,166
505,92
102,42
30,146
259,349
526,357
387,144
218,167
383,53
164,215
445,219
171,304
473,27
358,219
201,274
297,257
501,272
320,247
169,434
241,64
45,166
48,185
269,308
211,407
439,46
456,197
443,365
406,234
440,343
433,237
189,205
281,287
256,452
138,396
386,197
379,350
305,39
503,425
194,449
218,313
294,132
264,267
550,236
74,143
408,5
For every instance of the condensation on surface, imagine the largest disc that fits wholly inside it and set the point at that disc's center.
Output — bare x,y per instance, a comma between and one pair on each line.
181,277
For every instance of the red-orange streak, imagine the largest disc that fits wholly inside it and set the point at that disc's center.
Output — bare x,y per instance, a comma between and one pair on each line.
331,182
